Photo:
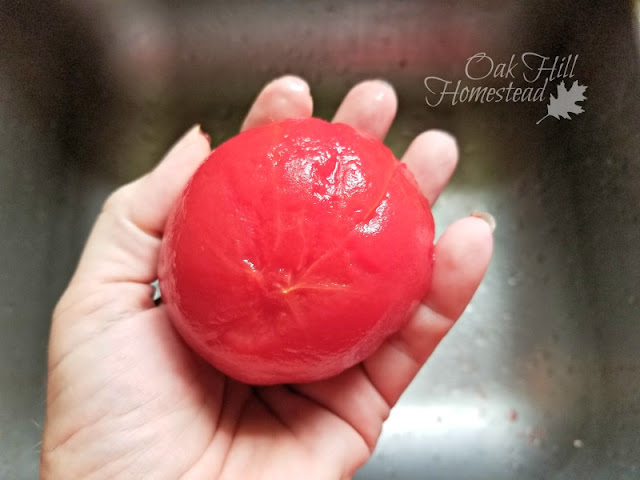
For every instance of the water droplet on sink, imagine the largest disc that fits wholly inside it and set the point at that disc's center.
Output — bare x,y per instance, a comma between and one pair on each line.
577,443
512,281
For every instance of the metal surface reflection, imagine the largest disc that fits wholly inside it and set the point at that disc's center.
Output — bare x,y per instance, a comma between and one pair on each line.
540,377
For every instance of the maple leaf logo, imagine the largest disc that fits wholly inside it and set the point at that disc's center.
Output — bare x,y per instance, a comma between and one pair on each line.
566,102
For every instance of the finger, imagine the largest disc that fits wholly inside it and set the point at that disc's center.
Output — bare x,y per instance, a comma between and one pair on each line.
369,107
461,258
124,242
285,97
432,157
149,200
319,429
352,397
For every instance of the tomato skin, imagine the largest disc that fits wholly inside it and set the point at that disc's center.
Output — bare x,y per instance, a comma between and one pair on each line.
294,251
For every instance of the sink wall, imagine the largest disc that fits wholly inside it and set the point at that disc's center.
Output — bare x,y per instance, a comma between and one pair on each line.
540,378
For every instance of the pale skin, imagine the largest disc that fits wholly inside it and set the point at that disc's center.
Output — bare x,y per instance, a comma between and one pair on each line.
127,399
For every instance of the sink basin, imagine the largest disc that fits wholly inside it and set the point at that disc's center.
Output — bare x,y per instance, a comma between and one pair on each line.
540,378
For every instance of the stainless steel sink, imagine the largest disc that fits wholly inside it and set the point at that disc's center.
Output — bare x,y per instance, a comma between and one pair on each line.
540,379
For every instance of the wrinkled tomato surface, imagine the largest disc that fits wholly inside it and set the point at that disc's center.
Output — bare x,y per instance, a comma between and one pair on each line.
294,251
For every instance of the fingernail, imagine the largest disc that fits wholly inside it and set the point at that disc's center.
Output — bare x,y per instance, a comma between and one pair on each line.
294,83
487,217
206,136
192,132
444,135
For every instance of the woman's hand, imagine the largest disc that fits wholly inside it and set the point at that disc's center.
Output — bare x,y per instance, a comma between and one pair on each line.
128,399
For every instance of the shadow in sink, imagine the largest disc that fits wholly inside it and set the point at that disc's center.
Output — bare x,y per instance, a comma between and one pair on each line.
539,379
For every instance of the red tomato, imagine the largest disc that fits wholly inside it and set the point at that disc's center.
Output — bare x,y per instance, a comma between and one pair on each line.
294,251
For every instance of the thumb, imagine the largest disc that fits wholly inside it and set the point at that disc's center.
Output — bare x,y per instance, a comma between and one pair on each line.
124,243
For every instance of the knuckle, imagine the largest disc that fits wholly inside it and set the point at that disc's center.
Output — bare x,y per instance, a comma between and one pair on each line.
119,199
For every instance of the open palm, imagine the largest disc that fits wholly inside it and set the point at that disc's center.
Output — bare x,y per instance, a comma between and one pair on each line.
126,397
